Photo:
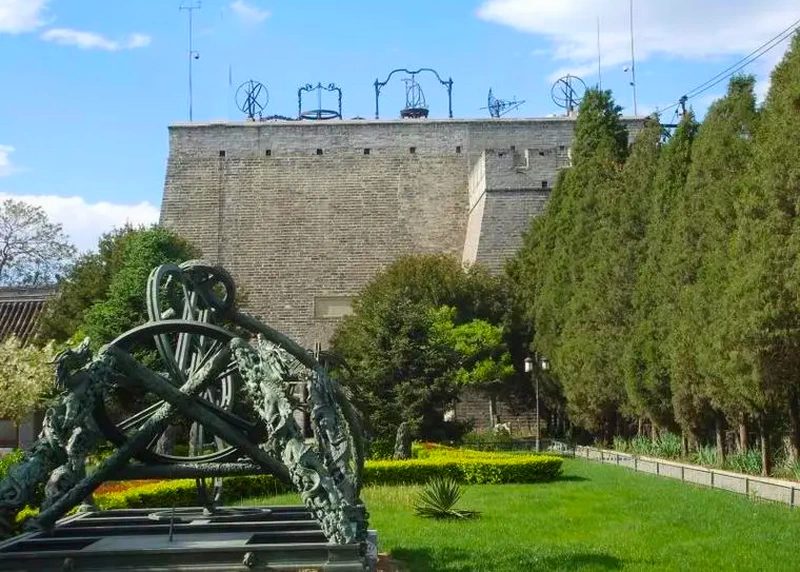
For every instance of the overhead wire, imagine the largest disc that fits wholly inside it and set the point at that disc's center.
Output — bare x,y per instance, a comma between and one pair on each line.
738,66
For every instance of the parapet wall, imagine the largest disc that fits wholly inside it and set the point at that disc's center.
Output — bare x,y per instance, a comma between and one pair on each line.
304,213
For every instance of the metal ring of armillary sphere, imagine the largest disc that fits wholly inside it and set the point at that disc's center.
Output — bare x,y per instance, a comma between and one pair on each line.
320,114
117,422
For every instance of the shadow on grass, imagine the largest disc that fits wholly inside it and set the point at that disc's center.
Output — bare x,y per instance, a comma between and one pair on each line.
579,561
575,478
424,559
530,560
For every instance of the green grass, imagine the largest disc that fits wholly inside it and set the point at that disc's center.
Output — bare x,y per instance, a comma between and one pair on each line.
597,517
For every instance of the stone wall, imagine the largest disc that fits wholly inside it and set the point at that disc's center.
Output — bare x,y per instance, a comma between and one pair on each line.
304,213
473,406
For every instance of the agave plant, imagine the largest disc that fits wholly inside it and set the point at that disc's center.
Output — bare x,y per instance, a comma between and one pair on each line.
439,497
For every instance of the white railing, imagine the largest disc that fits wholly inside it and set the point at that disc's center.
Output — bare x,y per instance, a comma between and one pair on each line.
786,492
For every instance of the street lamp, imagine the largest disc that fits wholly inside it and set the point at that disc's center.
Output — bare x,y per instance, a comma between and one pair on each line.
544,364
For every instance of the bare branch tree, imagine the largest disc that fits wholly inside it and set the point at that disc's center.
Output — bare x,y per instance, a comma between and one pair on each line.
33,250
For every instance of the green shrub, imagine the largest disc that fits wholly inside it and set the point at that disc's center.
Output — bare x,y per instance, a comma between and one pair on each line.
438,500
517,469
165,494
621,444
707,456
472,468
668,446
6,461
437,451
488,441
748,461
641,446
380,449
461,465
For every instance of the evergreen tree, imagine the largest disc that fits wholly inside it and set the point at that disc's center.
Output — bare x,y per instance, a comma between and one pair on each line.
697,264
762,333
564,330
646,367
599,326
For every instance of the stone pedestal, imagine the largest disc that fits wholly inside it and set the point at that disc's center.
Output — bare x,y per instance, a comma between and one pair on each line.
285,538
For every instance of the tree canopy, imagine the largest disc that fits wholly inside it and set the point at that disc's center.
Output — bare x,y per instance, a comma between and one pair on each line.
33,250
103,293
422,329
662,279
26,377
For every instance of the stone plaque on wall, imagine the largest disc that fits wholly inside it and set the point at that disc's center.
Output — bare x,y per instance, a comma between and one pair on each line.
332,306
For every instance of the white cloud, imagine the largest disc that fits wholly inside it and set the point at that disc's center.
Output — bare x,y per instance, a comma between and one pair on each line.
138,41
6,166
93,41
684,29
248,12
85,222
18,16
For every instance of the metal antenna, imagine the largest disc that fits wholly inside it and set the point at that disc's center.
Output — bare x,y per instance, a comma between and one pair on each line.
599,66
633,67
193,55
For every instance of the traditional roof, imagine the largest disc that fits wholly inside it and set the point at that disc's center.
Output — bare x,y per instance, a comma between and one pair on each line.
20,309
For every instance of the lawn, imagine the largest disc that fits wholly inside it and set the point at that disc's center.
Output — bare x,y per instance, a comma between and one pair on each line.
597,517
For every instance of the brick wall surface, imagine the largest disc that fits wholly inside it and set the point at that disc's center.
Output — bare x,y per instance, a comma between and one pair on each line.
298,210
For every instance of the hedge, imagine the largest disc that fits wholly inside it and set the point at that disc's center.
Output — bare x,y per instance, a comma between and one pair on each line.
469,470
517,469
469,467
437,451
183,492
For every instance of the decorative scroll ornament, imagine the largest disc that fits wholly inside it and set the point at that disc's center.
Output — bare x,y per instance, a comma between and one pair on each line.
201,390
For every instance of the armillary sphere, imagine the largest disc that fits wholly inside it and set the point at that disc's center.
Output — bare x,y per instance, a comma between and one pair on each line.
192,317
204,391
568,91
252,98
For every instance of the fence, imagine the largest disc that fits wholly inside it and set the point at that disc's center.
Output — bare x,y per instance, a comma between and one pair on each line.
786,492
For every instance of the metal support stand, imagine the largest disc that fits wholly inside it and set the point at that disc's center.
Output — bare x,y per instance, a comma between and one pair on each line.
448,84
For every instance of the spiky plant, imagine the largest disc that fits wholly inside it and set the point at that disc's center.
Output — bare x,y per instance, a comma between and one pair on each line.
668,445
439,497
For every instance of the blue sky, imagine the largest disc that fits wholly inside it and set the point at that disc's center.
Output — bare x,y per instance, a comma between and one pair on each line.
89,87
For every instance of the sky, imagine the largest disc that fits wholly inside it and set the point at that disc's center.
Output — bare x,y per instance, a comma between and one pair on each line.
89,87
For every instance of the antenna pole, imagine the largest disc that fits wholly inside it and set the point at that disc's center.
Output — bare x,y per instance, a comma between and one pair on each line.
192,54
633,66
599,66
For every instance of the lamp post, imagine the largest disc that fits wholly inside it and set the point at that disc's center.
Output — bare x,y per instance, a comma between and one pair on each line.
529,368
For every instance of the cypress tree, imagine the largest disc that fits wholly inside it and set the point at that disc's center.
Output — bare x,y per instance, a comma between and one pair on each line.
698,264
599,149
646,367
762,325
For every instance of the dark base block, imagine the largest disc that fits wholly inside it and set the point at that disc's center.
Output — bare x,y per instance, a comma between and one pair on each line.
285,538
